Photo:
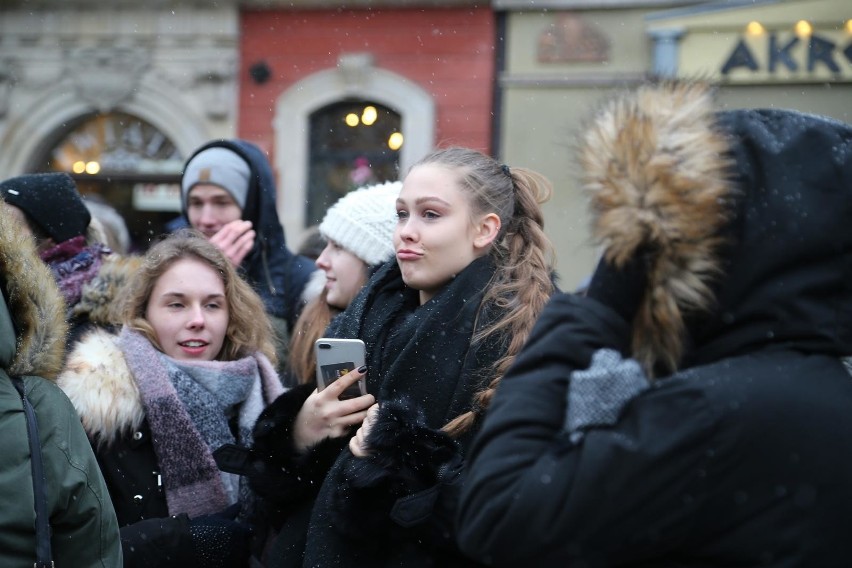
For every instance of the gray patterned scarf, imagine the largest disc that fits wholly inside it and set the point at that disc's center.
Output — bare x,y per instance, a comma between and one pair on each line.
189,407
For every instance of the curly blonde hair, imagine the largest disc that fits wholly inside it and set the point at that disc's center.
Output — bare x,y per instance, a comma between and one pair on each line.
249,329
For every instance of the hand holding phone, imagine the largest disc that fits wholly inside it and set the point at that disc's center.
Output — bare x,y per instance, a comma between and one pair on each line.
335,358
324,415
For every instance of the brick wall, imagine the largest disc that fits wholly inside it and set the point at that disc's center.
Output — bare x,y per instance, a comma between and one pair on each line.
449,52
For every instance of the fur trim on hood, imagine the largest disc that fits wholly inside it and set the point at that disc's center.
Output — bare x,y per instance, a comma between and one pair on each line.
742,216
34,302
658,176
101,387
100,297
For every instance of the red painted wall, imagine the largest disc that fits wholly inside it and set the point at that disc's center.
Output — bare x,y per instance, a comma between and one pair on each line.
449,52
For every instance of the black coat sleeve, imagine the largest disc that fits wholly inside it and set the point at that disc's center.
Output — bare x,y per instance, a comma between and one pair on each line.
277,471
164,542
406,488
537,495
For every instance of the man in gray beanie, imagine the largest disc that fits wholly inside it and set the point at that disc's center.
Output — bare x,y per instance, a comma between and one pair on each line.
214,189
228,194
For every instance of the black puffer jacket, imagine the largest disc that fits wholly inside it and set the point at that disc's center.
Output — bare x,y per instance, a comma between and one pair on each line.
739,457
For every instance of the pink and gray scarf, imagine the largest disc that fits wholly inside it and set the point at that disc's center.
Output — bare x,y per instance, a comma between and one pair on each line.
189,407
73,264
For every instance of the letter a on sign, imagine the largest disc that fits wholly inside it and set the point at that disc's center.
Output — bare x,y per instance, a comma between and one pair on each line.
741,57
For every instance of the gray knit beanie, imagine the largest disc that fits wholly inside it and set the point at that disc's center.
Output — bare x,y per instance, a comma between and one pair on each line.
363,222
218,166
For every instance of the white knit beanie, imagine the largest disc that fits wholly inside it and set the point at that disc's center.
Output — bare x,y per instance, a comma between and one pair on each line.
363,221
218,166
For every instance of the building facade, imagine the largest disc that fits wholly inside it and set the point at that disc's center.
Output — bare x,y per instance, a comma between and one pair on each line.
428,72
120,94
344,93
117,95
563,56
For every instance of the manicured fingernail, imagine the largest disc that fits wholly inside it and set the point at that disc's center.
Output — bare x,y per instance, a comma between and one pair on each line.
362,369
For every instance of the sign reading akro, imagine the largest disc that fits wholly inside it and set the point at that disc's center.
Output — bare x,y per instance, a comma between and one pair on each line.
773,56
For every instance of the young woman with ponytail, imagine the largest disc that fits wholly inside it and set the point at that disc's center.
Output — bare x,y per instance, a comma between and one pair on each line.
442,323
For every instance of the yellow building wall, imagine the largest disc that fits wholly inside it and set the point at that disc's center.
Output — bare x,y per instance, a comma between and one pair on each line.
544,105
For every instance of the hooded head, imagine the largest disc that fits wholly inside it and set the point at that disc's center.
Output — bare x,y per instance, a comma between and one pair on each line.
51,203
745,213
32,317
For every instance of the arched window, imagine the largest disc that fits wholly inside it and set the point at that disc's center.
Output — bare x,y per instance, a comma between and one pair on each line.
354,81
126,162
352,143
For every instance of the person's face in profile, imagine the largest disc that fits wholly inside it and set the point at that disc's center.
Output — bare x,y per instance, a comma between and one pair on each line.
188,311
210,207
345,274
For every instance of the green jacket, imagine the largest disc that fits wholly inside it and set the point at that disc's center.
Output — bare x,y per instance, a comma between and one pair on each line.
32,331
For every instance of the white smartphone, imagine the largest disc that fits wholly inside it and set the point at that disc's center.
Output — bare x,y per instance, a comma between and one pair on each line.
335,358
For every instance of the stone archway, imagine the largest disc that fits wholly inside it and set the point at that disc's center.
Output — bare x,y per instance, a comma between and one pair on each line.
36,127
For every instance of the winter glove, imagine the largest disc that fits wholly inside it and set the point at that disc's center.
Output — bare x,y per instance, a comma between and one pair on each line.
219,540
622,289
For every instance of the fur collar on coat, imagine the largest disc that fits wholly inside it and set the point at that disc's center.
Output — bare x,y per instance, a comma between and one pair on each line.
35,306
99,383
98,300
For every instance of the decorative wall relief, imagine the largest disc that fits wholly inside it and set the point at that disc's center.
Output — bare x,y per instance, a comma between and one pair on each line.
571,39
107,75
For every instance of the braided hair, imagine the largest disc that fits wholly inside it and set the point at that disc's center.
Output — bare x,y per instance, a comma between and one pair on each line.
522,253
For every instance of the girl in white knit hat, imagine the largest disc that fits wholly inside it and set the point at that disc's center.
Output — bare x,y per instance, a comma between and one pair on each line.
358,230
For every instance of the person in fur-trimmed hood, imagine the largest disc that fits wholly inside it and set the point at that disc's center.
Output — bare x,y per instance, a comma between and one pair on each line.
189,372
73,245
441,322
693,409
84,531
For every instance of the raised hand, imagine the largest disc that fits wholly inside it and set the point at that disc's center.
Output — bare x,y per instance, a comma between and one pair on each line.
323,415
235,240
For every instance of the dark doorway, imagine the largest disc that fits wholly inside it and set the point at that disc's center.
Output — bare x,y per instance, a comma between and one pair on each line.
352,144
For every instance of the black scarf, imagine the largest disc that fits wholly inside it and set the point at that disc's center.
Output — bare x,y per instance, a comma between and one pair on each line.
419,353
422,352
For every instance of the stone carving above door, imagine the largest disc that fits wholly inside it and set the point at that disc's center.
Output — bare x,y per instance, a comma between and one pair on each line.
106,76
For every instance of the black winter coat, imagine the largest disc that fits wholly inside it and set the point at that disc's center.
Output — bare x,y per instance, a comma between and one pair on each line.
726,464
395,508
130,469
740,457
128,463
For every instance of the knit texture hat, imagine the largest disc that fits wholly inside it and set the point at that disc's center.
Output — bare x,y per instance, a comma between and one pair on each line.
51,202
363,221
218,166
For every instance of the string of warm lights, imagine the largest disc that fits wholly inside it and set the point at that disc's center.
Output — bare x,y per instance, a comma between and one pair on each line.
80,166
368,117
803,28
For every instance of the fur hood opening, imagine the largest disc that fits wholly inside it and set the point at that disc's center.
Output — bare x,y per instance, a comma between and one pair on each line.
744,216
35,304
